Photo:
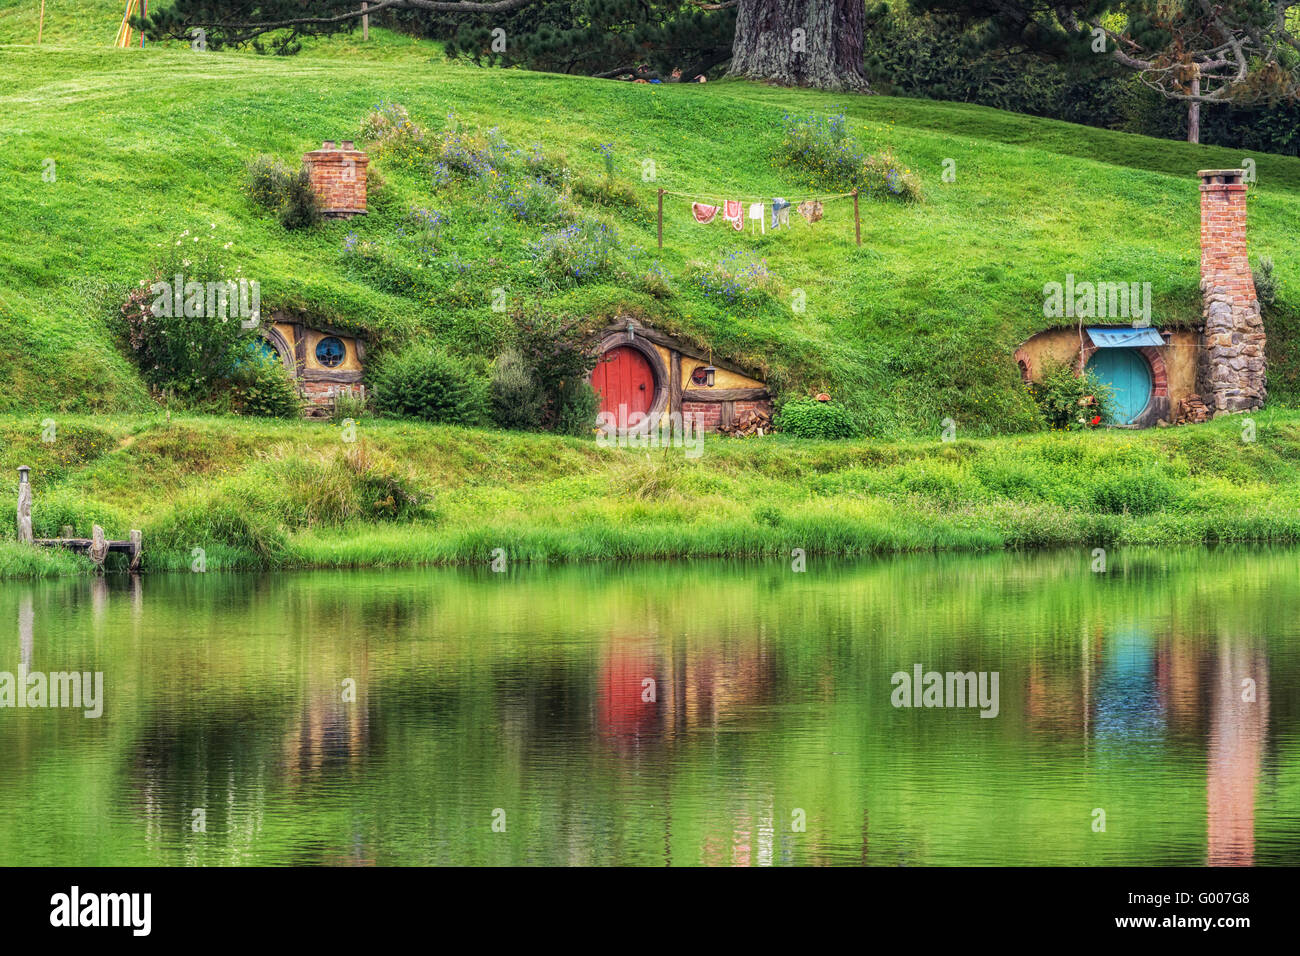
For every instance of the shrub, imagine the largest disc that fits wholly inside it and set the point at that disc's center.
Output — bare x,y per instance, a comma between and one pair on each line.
517,400
187,349
821,149
425,382
1265,283
528,199
809,418
349,404
389,127
302,208
1068,401
266,181
263,388
582,252
576,407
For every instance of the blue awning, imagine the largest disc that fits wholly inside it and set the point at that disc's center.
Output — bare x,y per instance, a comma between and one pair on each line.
1124,338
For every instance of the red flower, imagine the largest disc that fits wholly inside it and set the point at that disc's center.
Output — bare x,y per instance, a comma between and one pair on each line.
1096,419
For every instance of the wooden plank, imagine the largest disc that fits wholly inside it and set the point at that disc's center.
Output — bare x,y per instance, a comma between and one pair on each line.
675,383
725,394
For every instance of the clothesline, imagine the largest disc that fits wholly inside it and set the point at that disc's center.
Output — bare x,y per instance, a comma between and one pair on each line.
696,197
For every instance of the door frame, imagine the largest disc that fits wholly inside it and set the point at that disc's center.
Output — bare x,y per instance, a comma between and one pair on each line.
628,337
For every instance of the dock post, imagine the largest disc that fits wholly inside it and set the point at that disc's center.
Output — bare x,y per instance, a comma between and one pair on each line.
24,507
98,545
137,548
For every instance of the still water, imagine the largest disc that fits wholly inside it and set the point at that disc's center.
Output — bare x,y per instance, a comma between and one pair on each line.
703,713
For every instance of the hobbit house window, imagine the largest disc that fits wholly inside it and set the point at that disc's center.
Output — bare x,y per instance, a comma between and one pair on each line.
329,352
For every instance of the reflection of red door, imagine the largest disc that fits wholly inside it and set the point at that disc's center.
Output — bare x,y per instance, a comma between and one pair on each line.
623,377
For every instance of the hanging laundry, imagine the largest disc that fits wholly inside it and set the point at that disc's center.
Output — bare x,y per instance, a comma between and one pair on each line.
733,214
811,210
780,213
703,212
756,215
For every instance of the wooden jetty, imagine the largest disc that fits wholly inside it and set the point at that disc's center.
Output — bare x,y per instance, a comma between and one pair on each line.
97,547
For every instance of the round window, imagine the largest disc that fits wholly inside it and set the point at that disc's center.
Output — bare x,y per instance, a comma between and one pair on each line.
330,351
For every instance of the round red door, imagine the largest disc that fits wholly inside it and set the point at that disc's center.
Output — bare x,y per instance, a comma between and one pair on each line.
623,377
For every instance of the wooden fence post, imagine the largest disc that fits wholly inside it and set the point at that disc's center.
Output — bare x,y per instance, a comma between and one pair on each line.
661,218
857,221
365,21
98,545
137,548
24,507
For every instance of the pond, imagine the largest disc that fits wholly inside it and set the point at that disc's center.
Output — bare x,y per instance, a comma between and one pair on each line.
684,714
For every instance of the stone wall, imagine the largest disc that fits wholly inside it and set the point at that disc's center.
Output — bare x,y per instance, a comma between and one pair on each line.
1231,374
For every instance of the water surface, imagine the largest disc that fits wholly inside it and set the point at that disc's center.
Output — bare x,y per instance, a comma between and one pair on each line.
665,714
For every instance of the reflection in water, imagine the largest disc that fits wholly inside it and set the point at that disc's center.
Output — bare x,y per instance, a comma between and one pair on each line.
383,718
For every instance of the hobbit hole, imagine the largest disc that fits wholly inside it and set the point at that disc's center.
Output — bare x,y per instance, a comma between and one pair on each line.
642,372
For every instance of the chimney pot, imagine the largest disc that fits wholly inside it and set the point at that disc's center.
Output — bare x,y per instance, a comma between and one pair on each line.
329,144
348,144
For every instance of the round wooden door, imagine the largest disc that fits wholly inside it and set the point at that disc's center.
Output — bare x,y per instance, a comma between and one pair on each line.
1128,374
623,377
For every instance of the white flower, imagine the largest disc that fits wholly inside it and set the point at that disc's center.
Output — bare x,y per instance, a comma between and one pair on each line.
227,245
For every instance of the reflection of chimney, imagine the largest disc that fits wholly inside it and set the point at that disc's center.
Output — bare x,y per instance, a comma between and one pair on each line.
1231,372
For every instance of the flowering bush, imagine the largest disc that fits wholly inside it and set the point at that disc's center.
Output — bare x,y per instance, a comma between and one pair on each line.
421,230
176,337
821,148
390,127
581,252
738,279
530,200
1069,401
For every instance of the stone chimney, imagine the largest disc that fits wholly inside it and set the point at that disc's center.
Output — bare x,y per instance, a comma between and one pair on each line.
338,175
1230,374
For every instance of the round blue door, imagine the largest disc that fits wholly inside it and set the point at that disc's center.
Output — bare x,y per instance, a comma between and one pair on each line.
1128,374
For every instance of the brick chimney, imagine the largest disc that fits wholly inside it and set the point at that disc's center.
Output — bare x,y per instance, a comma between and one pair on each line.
1230,374
338,175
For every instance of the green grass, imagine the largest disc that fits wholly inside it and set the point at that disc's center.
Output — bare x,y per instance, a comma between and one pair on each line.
281,495
916,326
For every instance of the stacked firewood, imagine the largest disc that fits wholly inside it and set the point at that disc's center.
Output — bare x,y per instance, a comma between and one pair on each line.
751,423
1190,410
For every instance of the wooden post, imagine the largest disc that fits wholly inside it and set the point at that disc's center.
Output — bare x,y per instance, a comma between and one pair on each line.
661,218
98,545
40,28
137,548
857,220
24,507
365,21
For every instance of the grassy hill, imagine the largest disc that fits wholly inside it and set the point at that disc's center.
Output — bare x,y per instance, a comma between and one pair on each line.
915,326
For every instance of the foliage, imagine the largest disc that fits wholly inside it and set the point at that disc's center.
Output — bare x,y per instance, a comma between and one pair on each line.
262,387
809,418
1265,284
517,400
576,406
1069,401
584,251
188,345
425,382
739,278
822,151
270,184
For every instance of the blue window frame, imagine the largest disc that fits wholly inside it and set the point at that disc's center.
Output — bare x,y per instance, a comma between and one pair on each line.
330,351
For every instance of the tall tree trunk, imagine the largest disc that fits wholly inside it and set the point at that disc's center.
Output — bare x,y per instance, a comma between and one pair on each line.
801,43
1194,111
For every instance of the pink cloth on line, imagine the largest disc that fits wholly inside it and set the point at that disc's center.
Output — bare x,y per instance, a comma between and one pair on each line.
732,212
703,212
